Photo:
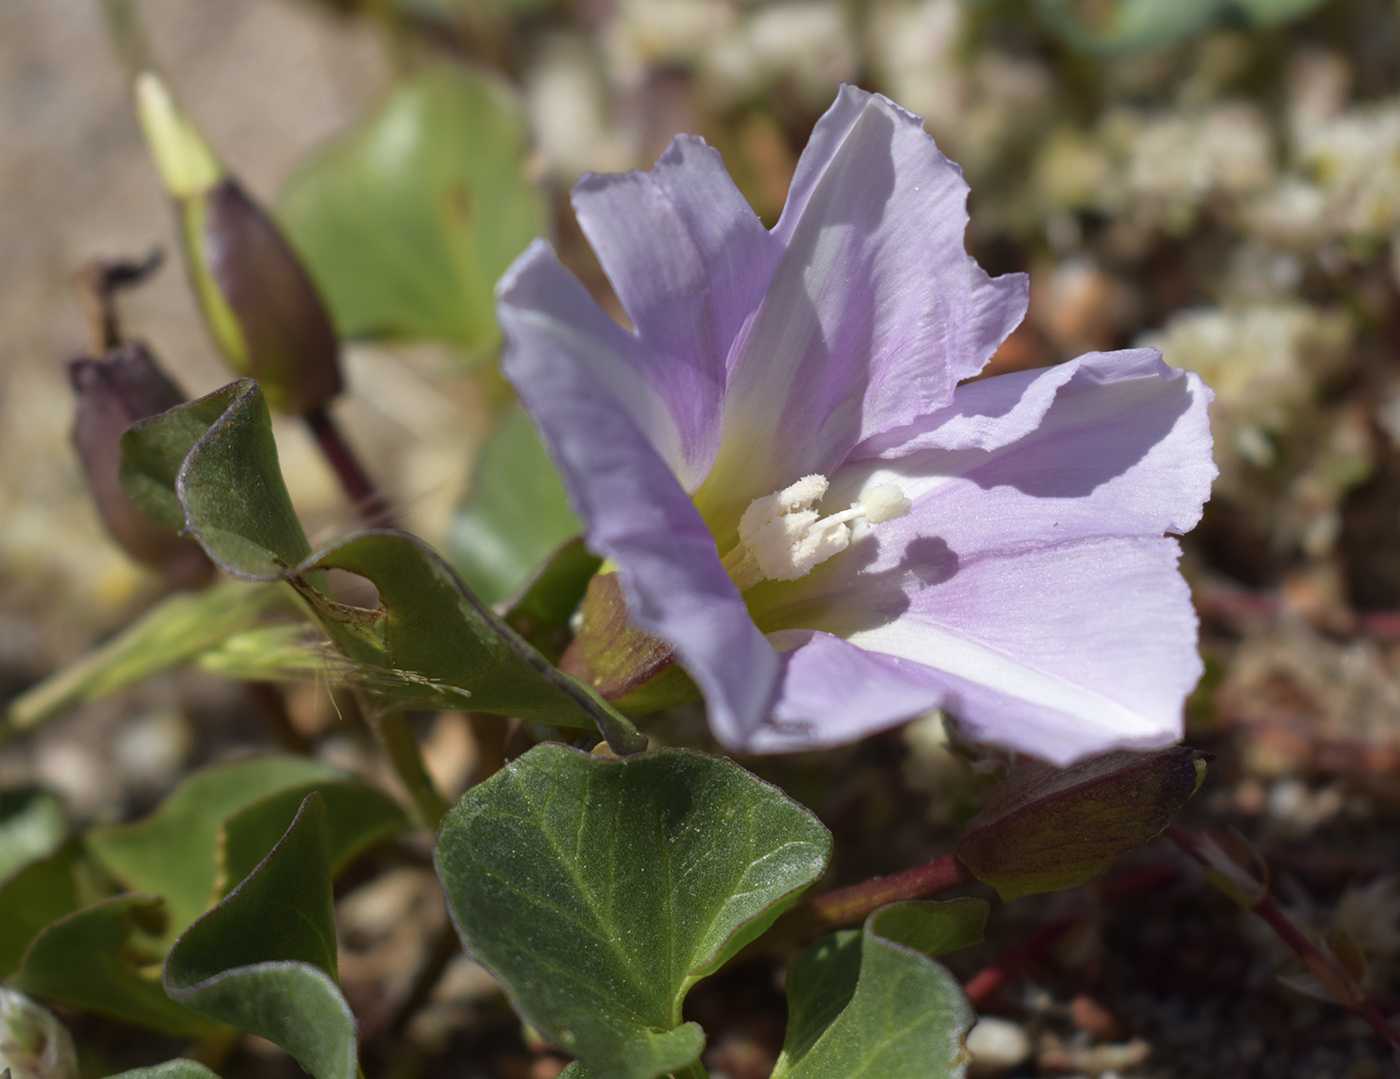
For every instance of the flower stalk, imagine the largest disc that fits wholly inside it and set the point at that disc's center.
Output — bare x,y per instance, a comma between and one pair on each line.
1244,888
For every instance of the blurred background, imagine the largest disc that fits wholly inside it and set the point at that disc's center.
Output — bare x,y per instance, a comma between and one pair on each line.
1218,178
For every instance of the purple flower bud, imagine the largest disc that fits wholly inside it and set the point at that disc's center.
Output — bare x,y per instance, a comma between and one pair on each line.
113,393
259,301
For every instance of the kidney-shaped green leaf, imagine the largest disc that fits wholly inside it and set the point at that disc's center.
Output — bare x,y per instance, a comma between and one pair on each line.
432,641
599,891
357,816
174,852
171,1069
33,898
407,223
872,1002
435,628
105,959
209,467
264,959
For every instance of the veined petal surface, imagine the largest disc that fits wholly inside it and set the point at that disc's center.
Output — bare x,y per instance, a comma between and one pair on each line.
873,315
634,509
690,262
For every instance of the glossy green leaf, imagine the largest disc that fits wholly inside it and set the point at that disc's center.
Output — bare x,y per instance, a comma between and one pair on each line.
515,513
431,642
358,816
1123,26
174,852
1047,828
210,467
33,898
171,1069
105,958
436,629
408,222
599,891
32,826
264,959
872,1002
169,635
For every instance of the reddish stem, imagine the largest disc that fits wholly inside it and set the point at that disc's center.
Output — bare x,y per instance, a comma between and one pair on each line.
849,906
982,985
370,505
1322,965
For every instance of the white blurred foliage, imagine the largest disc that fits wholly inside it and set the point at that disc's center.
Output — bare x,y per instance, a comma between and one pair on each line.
566,96
911,48
1158,169
806,44
1263,361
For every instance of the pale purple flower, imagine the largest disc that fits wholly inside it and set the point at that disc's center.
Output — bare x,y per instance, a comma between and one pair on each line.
1004,554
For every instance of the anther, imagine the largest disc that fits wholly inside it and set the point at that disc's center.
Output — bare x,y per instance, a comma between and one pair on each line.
782,538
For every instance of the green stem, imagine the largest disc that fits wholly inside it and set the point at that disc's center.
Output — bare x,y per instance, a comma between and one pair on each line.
391,728
691,1071
128,38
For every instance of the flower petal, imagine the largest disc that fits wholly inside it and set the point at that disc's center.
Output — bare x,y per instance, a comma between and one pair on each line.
874,314
1124,449
573,376
690,261
833,692
984,415
1062,652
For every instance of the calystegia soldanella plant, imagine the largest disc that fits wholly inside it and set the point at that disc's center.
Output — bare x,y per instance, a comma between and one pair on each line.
787,674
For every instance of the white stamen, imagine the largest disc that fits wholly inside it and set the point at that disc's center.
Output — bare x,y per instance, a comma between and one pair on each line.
884,502
782,538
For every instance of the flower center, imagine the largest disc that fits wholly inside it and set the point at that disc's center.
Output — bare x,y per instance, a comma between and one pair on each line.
781,537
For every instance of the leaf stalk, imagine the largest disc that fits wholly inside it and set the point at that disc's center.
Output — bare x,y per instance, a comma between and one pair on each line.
396,739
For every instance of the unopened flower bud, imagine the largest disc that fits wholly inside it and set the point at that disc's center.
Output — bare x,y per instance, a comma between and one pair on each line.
1048,828
259,303
113,393
33,1044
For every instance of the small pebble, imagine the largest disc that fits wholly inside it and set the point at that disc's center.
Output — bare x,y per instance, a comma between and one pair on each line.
997,1045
